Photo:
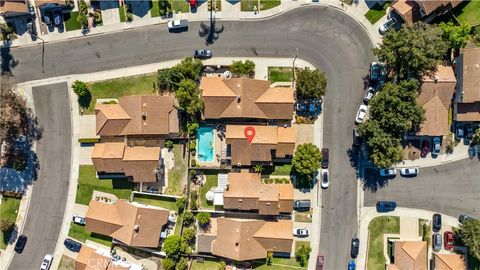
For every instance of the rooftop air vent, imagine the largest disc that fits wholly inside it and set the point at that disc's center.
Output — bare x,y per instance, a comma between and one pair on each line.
136,228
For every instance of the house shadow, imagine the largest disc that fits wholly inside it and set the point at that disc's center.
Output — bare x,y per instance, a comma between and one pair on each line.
139,8
104,5
7,59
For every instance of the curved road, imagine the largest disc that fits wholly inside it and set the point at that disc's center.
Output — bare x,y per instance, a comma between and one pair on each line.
325,37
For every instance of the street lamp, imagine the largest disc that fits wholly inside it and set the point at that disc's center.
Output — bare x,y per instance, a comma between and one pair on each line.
43,49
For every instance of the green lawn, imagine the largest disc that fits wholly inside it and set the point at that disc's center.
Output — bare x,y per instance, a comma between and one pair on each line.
298,244
278,263
284,169
66,263
122,14
156,201
137,85
212,177
8,210
155,8
377,12
247,5
205,265
176,176
88,181
180,6
280,74
470,13
268,4
79,233
377,228
71,22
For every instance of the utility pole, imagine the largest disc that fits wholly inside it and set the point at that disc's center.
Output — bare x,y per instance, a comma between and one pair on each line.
43,50
294,79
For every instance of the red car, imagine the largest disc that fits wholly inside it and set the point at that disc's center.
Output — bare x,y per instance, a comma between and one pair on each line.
425,149
448,240
193,3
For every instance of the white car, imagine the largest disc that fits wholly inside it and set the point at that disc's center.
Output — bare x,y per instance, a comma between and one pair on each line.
78,220
325,181
409,171
387,25
361,113
47,262
388,172
436,146
177,24
369,95
300,232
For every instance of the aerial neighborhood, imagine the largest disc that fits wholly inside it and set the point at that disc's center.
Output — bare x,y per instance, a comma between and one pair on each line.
266,134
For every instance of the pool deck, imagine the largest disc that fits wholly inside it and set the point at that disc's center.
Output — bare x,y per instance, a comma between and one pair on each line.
216,152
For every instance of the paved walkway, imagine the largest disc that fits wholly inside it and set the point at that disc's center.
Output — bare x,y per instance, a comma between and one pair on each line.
460,152
229,12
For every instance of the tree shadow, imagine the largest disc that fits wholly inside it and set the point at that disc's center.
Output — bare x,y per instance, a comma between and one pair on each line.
84,101
372,181
302,182
8,61
210,32
11,235
353,156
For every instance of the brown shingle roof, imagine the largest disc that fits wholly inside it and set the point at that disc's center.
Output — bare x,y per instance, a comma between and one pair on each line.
468,112
245,98
13,6
137,115
246,192
449,262
138,162
439,6
408,10
410,255
242,240
266,140
131,223
470,77
435,96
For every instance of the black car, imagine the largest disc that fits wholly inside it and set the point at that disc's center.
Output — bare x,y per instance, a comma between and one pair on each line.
21,241
463,218
354,248
357,139
325,158
72,245
302,205
386,206
437,222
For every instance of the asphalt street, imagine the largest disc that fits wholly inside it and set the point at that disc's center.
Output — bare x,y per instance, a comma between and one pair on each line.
49,197
452,189
325,37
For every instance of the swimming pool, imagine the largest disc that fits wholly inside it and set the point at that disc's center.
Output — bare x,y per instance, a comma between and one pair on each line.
205,144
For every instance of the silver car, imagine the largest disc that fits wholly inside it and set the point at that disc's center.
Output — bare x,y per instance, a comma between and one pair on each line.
387,25
437,242
388,172
300,232
202,54
409,171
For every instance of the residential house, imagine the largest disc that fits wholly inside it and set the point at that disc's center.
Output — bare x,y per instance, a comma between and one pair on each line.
246,192
242,99
243,240
132,223
467,98
13,8
412,11
449,261
411,255
131,134
268,143
435,96
99,259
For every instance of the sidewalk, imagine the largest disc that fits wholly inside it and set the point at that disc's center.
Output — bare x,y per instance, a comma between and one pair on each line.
229,12
460,152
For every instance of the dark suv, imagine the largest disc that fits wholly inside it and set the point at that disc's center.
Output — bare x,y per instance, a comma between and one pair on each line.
354,248
386,206
325,158
22,240
437,222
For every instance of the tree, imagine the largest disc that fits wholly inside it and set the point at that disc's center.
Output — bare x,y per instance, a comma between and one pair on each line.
469,232
188,218
222,265
190,68
246,68
80,88
306,159
258,168
302,254
203,218
188,235
181,204
173,247
83,7
413,50
456,36
269,257
168,144
168,264
165,80
188,97
192,128
182,264
82,19
311,84
6,224
476,137
8,33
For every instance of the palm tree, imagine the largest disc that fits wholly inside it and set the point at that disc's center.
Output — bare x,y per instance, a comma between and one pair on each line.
258,168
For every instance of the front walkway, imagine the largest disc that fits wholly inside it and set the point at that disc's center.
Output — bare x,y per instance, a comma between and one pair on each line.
460,152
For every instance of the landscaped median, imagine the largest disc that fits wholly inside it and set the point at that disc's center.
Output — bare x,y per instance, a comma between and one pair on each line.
376,229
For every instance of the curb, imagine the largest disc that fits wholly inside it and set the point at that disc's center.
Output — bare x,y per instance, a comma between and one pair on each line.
200,20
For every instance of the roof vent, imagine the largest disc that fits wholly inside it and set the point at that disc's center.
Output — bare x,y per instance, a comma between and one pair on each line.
238,99
144,116
136,228
144,104
436,78
477,66
236,244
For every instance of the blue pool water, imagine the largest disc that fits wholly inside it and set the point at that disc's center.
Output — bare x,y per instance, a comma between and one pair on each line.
205,144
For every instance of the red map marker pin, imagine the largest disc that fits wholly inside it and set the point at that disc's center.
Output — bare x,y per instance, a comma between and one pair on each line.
249,133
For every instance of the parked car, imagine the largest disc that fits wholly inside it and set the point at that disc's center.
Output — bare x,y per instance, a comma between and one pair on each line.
301,205
463,218
302,232
387,25
47,19
31,9
72,245
20,244
437,222
386,206
320,261
385,172
78,220
369,95
193,3
357,139
459,133
57,17
409,171
448,239
325,178
202,54
374,71
47,262
351,265
361,113
31,27
177,25
436,146
325,158
437,242
354,247
468,135
425,148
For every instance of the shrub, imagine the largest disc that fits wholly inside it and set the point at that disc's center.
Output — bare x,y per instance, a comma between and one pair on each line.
80,88
188,235
192,146
222,265
181,204
182,264
203,218
302,254
83,7
168,144
246,68
188,218
173,247
168,264
192,128
6,224
193,163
